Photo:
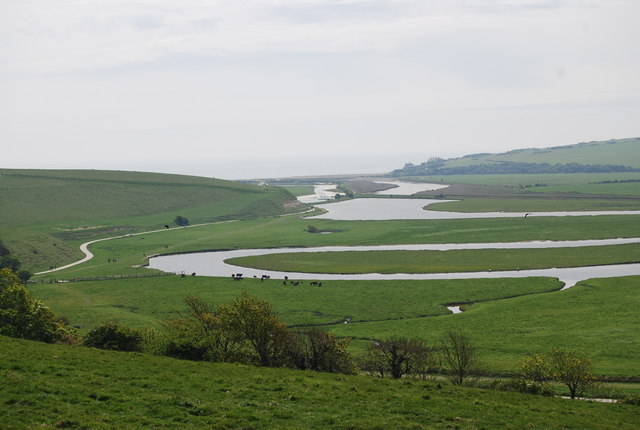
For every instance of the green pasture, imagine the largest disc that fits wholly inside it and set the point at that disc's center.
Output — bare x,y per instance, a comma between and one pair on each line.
147,301
466,260
55,386
290,231
624,152
532,204
598,184
80,199
597,317
299,190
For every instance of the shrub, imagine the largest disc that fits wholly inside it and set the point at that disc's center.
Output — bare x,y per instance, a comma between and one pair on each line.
181,220
114,336
25,317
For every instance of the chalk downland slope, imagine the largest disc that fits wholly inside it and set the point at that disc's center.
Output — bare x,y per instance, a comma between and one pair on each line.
57,386
61,206
615,155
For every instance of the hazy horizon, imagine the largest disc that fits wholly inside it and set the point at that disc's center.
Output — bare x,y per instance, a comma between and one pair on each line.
266,88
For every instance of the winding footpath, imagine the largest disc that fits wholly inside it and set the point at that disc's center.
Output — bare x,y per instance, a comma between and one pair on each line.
88,255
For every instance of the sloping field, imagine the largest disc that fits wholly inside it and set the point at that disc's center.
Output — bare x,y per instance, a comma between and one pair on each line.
43,196
624,152
54,386
43,209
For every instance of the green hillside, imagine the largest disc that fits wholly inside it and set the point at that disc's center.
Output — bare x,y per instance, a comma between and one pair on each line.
57,386
616,155
47,212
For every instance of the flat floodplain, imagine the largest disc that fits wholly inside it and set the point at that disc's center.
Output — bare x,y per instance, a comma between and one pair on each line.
442,261
597,317
291,231
150,300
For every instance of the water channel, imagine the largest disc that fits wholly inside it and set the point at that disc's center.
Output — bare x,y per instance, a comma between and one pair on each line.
213,263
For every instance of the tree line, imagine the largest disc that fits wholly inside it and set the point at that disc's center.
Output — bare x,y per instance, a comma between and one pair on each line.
248,331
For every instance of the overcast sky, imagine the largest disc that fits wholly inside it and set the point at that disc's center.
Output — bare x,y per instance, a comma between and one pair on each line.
269,88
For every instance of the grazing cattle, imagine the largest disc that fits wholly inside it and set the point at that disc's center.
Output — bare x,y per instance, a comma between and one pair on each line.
286,278
193,274
166,226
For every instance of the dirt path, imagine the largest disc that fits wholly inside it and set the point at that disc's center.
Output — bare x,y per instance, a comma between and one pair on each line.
88,255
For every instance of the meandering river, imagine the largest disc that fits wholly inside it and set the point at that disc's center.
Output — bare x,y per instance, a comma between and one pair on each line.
213,263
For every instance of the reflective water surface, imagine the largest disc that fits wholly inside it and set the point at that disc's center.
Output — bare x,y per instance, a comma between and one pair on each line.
213,263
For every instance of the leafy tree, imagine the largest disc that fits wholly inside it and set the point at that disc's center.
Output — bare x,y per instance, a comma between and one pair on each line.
254,321
459,356
24,275
24,317
536,368
574,371
398,356
181,220
322,351
7,260
200,335
114,336
313,229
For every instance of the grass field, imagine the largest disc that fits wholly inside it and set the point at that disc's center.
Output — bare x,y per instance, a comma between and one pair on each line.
441,261
290,231
598,317
49,386
624,152
147,301
470,204
506,318
598,184
46,214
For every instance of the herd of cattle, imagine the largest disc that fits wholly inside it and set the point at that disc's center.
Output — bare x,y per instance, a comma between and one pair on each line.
286,281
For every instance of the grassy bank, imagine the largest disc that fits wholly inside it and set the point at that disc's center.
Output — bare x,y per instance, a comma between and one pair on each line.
48,386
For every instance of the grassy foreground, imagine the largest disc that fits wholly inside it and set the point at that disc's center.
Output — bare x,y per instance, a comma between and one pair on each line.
50,386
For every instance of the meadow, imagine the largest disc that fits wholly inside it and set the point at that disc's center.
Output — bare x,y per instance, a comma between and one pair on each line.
53,386
62,386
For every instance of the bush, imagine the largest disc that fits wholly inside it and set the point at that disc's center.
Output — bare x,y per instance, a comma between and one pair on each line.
114,336
24,317
181,220
633,400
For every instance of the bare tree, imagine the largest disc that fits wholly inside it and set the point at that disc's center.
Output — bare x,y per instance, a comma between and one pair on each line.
397,356
459,356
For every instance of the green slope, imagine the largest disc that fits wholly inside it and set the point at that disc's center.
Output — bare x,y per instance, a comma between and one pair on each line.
65,207
53,386
616,155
